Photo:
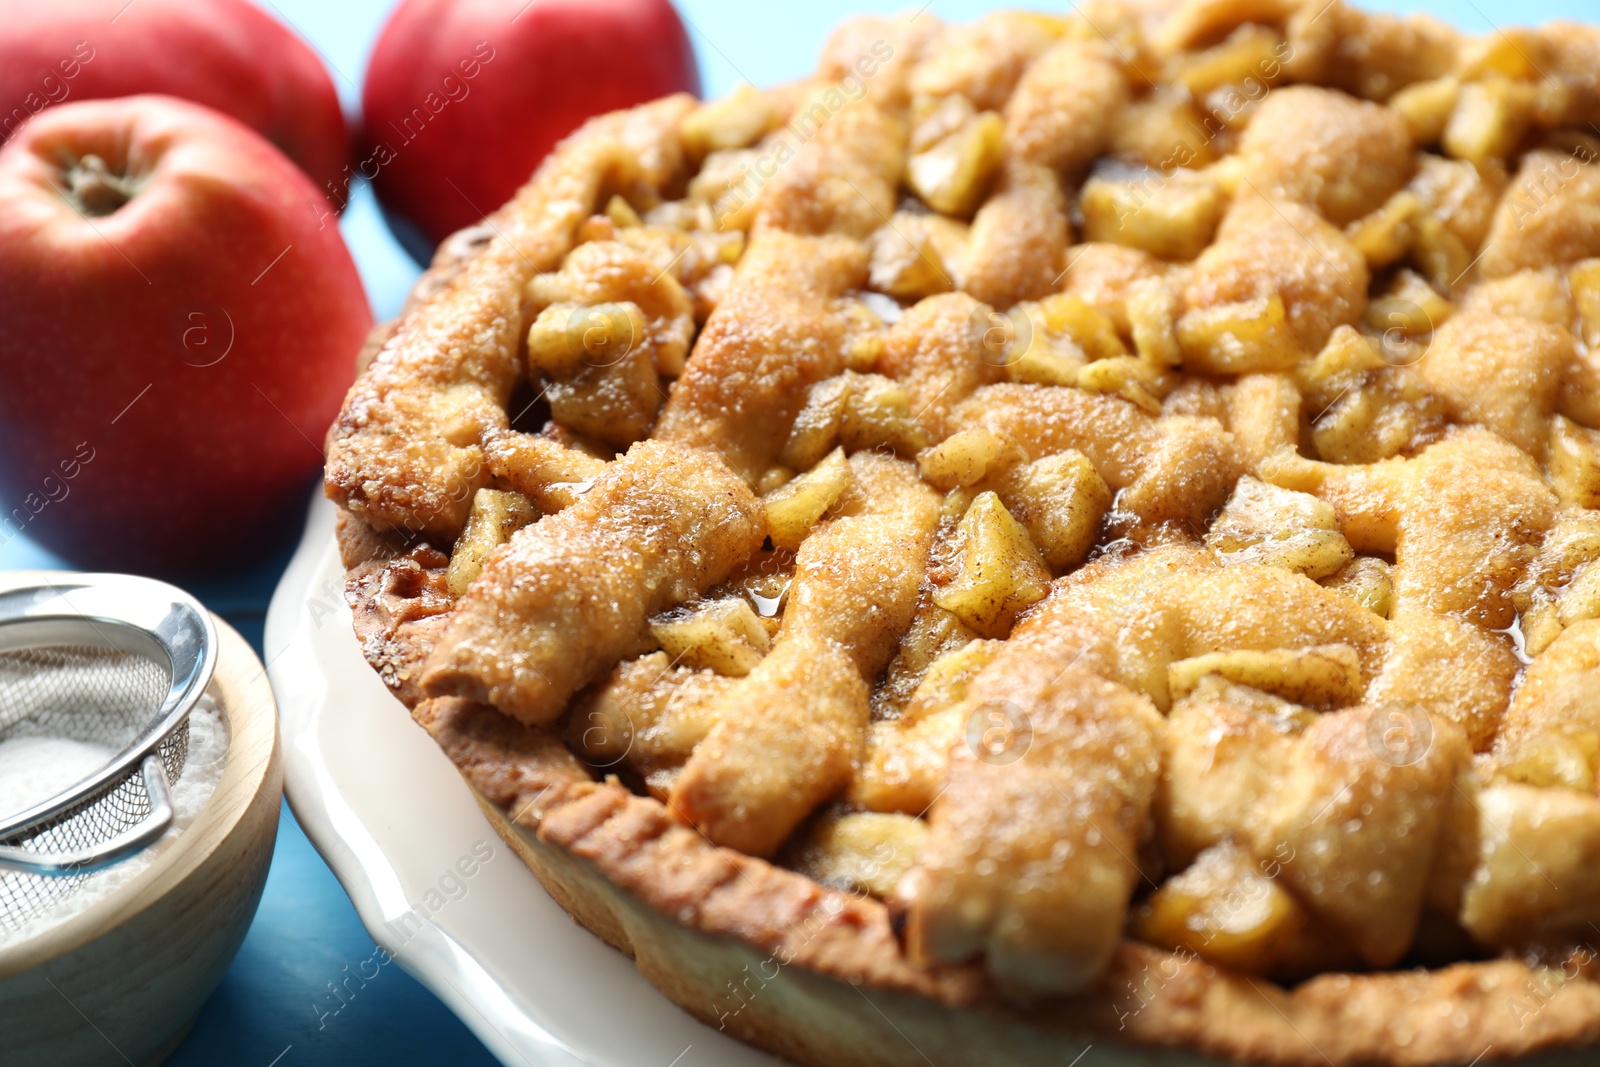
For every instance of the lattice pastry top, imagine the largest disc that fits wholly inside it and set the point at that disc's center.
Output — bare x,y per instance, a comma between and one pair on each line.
1103,484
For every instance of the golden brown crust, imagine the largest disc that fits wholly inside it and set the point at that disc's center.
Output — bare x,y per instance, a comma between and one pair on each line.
400,607
845,179
931,351
745,383
525,771
569,596
1175,470
1268,246
359,542
1041,898
792,730
1548,217
404,452
785,964
1196,691
1019,238
1066,106
1320,148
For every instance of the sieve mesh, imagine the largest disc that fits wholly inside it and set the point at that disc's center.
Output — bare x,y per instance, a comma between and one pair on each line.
85,693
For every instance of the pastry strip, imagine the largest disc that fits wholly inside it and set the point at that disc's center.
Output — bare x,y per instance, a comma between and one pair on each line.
566,598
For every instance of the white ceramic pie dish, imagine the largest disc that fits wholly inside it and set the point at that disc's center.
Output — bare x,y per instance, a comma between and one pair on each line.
388,811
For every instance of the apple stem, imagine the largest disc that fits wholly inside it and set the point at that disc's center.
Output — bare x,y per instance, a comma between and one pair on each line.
95,189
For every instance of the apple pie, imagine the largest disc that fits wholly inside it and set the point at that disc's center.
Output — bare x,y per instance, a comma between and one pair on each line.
1062,537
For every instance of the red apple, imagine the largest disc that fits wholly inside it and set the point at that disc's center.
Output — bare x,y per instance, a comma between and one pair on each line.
178,334
463,98
226,54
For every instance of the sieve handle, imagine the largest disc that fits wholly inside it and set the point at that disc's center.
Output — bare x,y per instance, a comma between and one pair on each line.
146,832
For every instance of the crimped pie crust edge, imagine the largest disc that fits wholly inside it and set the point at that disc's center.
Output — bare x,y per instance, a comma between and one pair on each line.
823,981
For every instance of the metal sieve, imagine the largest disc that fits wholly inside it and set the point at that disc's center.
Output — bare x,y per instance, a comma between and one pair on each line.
109,659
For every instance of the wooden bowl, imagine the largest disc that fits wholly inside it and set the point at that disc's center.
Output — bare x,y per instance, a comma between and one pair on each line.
123,981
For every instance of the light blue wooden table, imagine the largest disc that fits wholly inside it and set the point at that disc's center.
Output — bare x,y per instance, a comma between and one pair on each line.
274,1006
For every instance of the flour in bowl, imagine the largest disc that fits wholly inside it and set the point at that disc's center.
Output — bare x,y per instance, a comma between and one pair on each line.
35,768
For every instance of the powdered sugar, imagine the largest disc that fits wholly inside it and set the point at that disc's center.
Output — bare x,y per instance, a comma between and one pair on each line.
33,769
